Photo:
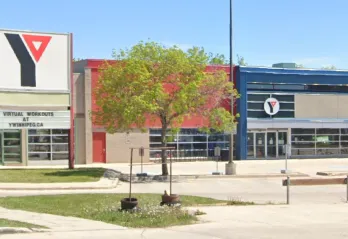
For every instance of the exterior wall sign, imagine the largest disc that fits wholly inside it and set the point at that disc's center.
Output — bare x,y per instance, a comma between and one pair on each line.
271,106
35,61
34,119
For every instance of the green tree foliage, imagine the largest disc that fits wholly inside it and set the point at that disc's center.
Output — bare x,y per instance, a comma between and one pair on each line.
241,61
329,67
217,59
162,83
299,66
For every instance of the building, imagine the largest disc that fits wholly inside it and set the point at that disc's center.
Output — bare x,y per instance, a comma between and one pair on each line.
35,98
302,108
300,112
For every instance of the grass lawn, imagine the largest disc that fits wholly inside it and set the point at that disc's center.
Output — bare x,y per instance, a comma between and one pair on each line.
50,175
10,223
104,207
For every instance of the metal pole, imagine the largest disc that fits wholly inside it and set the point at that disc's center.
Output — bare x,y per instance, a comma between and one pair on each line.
217,164
141,164
347,187
170,176
130,175
287,190
286,158
231,79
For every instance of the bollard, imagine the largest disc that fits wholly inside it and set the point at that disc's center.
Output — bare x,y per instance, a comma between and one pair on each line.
287,190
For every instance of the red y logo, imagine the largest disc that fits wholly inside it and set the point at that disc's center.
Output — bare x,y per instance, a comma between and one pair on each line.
271,105
37,45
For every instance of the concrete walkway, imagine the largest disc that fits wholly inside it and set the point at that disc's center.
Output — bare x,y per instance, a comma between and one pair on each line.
271,222
57,223
245,167
103,183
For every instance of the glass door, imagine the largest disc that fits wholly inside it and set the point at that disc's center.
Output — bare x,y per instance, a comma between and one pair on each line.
260,145
1,149
251,145
11,146
271,144
282,141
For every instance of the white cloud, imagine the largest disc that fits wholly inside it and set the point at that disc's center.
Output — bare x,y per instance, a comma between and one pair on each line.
316,61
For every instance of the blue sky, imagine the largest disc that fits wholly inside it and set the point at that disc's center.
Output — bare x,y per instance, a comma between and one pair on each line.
308,32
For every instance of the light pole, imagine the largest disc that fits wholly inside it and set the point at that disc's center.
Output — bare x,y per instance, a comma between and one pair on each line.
231,166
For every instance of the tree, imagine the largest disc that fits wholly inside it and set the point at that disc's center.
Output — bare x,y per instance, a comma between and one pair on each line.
329,67
165,84
217,59
299,66
241,61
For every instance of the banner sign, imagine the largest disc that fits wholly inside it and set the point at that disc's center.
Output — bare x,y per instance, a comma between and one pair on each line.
34,119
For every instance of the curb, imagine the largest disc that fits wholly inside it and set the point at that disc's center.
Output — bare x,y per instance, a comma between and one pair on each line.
332,173
312,181
14,230
177,178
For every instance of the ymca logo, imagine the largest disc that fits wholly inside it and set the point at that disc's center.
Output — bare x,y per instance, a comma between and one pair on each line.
37,45
271,106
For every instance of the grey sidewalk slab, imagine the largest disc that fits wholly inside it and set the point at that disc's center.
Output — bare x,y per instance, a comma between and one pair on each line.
56,223
229,222
103,183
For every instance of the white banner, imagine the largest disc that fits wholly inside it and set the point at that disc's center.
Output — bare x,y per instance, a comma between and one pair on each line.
34,119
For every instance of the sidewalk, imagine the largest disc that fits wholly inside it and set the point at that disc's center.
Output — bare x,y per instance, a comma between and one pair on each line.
57,223
103,183
272,222
244,168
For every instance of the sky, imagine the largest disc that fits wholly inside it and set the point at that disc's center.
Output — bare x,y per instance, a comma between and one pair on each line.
309,32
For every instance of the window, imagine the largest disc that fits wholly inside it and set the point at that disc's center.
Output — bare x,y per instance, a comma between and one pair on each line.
48,144
189,143
255,105
297,87
321,142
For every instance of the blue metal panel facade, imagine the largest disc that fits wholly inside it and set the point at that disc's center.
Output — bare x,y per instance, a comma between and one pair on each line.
245,75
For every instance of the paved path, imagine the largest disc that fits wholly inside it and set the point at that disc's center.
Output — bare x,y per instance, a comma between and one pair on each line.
306,166
103,183
56,223
275,221
261,190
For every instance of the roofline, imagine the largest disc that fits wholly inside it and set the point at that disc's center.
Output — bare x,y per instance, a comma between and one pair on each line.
301,71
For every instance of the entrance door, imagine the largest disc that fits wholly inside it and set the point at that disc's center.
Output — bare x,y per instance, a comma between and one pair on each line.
271,145
260,145
282,141
267,144
99,146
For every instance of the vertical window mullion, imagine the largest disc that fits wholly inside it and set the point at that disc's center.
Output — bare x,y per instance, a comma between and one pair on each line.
51,145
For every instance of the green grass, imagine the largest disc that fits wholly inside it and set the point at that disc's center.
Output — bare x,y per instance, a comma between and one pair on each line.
50,175
105,207
11,223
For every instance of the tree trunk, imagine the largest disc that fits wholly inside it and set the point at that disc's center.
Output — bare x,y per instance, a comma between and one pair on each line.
164,151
